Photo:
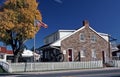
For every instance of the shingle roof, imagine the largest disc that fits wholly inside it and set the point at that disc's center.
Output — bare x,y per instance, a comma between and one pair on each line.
5,51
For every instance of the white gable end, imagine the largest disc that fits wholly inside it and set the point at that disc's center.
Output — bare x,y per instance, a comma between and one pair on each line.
105,36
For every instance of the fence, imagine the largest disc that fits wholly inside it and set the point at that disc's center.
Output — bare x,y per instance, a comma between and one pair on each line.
114,63
51,66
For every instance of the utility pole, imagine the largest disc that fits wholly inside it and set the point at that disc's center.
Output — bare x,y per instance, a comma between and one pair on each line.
110,40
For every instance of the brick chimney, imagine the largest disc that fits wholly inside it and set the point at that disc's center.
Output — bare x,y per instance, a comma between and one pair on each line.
86,23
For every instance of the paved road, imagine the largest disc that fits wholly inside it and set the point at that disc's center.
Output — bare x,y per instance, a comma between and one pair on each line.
109,72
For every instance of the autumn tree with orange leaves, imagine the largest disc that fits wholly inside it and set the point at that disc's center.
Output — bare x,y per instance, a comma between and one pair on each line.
17,23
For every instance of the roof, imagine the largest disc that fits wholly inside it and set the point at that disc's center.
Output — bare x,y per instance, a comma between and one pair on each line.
66,30
59,31
27,53
100,34
5,51
9,52
44,46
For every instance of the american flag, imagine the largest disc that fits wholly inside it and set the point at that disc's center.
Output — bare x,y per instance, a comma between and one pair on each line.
40,23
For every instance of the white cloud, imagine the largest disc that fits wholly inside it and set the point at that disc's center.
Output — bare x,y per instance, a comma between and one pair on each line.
58,1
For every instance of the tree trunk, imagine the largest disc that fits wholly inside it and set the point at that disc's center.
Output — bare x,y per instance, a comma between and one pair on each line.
17,47
16,59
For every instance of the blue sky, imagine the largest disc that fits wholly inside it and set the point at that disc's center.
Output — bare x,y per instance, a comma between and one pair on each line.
103,16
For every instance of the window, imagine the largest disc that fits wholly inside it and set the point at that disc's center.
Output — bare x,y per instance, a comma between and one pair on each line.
93,53
82,53
93,38
1,56
82,37
64,52
46,41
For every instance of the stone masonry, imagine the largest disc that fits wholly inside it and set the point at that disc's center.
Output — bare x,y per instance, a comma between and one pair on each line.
73,42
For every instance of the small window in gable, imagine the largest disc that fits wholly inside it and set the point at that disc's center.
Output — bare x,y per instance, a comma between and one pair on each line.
82,37
93,38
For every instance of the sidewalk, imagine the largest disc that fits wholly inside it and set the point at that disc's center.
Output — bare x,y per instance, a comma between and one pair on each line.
75,70
101,72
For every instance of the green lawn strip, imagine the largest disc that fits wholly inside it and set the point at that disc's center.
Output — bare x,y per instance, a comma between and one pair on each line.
2,70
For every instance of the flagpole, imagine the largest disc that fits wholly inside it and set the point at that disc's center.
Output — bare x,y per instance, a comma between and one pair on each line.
34,43
34,48
37,23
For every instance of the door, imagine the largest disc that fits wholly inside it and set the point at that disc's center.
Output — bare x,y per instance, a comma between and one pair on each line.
103,57
70,54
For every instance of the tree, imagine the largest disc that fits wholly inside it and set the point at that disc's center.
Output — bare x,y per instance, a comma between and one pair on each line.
17,23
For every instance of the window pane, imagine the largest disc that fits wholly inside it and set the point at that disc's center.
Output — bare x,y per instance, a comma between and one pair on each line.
93,38
93,53
82,37
82,53
1,56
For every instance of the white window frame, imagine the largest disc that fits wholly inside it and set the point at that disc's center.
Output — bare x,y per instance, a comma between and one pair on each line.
93,53
82,53
93,38
82,37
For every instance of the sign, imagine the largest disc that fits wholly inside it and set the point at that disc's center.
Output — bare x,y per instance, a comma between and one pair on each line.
64,52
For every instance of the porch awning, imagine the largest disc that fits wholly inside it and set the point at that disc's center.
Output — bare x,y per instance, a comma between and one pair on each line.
49,46
27,53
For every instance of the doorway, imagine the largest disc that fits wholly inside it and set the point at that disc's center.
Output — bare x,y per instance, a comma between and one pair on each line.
70,54
103,56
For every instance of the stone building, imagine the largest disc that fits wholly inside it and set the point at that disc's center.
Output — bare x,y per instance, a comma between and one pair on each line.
83,44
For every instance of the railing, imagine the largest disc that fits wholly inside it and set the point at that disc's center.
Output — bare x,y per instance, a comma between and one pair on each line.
45,66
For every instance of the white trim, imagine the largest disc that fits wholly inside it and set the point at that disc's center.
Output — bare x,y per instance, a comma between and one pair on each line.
98,33
93,53
53,44
73,33
82,53
93,38
64,52
84,38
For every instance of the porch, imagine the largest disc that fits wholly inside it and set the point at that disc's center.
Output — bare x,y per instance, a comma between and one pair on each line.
51,54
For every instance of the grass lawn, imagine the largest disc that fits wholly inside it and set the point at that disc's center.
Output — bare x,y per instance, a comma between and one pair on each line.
2,70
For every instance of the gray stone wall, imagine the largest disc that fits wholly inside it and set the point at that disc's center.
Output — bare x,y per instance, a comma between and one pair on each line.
74,42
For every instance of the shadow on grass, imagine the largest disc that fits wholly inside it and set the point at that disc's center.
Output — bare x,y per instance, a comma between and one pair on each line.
2,70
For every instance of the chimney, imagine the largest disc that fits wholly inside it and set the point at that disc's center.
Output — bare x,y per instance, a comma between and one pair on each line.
86,23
